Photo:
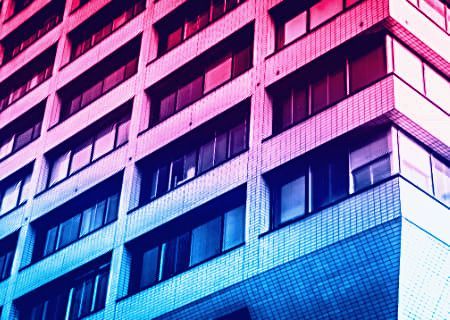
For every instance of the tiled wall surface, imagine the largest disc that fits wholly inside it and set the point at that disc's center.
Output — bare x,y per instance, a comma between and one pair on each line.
352,258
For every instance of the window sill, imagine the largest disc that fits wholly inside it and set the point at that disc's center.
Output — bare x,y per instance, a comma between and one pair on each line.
186,270
187,181
48,188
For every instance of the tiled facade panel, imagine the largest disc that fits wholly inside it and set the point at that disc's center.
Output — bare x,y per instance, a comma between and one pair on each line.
381,253
424,271
355,276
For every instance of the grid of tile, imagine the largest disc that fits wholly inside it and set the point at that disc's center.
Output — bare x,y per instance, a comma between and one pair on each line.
267,260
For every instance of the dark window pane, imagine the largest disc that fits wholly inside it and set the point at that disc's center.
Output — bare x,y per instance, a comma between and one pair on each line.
218,74
242,61
112,208
300,104
320,185
176,255
206,156
366,68
292,200
238,139
131,68
218,8
220,150
102,288
381,169
91,94
285,111
167,106
234,228
50,241
339,177
190,92
206,241
319,94
23,139
174,38
361,178
68,231
336,85
149,267
160,181
6,264
113,79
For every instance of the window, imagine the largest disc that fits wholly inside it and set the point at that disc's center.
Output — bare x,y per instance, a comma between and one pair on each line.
436,86
290,201
295,20
80,217
435,9
109,137
324,10
371,163
112,18
441,179
408,66
7,250
193,238
415,163
367,67
190,19
14,191
213,148
185,87
73,296
328,89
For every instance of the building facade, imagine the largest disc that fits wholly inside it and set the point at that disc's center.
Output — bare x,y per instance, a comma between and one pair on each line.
224,159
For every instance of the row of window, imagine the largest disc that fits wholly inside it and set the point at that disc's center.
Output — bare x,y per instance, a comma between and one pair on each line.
78,99
436,10
78,296
217,228
208,149
295,22
89,37
193,18
184,89
334,172
32,30
16,91
306,95
110,137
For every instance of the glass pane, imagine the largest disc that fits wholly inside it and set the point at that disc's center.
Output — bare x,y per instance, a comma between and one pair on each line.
295,27
320,183
114,79
218,74
366,68
91,94
189,166
131,68
369,152
163,180
87,221
434,9
60,168
238,139
167,106
26,189
220,150
6,264
436,88
81,156
339,176
408,66
415,163
319,94
68,231
300,104
102,289
441,179
75,105
206,156
242,61
112,208
206,241
323,10
361,178
218,8
348,3
50,241
381,169
123,131
149,267
176,255
104,142
23,138
10,198
234,228
189,93
174,38
286,111
55,308
336,85
292,199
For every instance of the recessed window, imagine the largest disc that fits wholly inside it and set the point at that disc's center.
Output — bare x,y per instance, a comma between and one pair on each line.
15,190
289,201
441,179
111,135
324,10
7,250
408,66
218,73
211,148
367,67
218,226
